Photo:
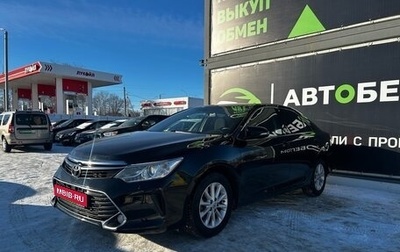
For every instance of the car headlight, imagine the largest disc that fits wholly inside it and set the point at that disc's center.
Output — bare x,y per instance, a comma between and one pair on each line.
148,171
87,136
108,134
71,134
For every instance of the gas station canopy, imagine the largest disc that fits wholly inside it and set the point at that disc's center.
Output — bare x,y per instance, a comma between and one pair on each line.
50,79
45,73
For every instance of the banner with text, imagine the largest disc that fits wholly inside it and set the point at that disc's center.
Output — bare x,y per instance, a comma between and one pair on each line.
353,94
239,24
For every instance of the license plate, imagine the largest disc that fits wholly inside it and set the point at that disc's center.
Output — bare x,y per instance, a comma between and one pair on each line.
78,198
26,132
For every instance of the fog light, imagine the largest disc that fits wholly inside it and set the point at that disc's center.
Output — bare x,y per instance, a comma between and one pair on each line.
115,222
120,219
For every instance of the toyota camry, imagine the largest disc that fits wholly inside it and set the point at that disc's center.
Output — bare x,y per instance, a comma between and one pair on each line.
191,170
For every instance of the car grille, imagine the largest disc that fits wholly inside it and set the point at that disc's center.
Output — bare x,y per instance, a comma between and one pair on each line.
100,207
92,172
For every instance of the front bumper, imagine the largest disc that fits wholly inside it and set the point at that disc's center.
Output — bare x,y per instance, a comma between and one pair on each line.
126,211
57,137
79,139
30,141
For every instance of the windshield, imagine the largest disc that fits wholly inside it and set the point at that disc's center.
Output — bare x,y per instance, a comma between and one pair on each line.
84,125
207,120
131,122
109,125
66,123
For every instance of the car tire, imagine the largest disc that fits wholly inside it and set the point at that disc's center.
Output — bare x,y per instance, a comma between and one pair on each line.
5,145
318,180
65,143
210,207
48,146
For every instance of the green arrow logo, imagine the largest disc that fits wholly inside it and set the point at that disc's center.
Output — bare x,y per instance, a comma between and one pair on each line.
245,95
306,24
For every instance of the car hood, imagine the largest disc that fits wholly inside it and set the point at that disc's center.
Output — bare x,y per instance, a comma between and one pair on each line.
139,146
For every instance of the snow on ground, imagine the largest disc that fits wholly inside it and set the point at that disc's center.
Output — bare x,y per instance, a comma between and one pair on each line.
351,215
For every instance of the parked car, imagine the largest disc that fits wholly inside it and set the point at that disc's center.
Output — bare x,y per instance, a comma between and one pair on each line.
133,124
25,128
89,135
114,123
192,178
70,123
67,136
56,123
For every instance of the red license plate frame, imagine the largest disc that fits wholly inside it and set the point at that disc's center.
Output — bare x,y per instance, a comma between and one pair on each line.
78,198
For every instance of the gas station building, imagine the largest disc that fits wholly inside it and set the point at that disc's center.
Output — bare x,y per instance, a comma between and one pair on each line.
55,88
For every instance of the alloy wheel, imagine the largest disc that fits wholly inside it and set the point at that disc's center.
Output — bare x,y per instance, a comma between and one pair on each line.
319,177
213,205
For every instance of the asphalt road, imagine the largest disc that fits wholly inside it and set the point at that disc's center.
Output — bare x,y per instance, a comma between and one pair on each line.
351,215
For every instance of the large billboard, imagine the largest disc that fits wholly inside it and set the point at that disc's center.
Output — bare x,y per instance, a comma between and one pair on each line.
237,24
353,94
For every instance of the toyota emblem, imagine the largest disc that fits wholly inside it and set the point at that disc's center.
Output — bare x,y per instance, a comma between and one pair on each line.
76,170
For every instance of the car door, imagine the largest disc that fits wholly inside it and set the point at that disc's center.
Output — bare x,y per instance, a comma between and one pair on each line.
260,171
298,152
31,126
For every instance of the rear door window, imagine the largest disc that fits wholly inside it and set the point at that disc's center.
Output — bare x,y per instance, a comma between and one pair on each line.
31,119
268,119
292,123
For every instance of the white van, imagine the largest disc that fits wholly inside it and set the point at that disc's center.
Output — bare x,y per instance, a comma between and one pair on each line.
19,128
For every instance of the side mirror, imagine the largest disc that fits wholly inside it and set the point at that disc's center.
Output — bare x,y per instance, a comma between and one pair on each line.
145,125
255,132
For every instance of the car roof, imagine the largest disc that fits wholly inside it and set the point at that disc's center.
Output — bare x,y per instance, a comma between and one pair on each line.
255,105
24,112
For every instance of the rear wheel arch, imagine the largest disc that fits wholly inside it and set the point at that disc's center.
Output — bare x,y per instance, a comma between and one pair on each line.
5,145
324,155
324,158
318,177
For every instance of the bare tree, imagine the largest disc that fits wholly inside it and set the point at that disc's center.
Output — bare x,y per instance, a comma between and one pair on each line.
99,102
116,105
108,104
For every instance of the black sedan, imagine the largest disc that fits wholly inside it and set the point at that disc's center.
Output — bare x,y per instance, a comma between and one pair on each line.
68,124
192,169
133,124
67,136
89,135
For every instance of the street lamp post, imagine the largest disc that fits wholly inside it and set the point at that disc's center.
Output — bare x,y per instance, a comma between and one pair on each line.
5,68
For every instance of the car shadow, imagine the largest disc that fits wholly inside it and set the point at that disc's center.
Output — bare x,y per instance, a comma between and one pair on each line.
33,224
29,225
289,222
248,230
59,149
